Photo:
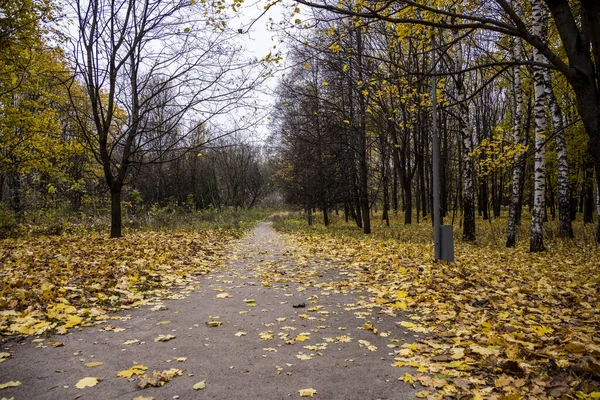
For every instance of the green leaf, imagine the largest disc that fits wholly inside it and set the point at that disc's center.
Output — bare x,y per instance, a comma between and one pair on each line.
200,385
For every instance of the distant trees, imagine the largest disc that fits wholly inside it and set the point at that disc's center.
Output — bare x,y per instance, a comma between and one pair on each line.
153,72
142,91
374,69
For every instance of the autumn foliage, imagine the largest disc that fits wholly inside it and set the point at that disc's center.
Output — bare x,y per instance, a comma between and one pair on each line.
498,323
58,282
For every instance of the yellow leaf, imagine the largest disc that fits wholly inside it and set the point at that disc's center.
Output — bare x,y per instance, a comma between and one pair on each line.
213,324
541,330
223,295
240,333
10,384
164,338
408,378
137,369
325,83
73,320
87,382
93,364
401,294
458,353
310,392
302,337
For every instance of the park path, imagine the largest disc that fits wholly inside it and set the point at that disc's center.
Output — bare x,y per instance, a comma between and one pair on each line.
282,323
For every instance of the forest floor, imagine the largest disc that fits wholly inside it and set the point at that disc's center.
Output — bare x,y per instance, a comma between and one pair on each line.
324,312
271,322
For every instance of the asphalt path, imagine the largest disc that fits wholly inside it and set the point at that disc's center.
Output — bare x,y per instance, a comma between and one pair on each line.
267,324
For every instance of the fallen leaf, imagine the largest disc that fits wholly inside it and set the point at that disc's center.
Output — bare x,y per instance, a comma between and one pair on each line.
310,392
200,385
87,382
164,338
10,384
158,378
137,369
93,364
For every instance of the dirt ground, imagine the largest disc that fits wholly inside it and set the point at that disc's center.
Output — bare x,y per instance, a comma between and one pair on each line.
281,324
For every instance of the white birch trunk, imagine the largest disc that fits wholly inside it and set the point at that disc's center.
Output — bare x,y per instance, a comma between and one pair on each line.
519,158
467,138
564,212
536,242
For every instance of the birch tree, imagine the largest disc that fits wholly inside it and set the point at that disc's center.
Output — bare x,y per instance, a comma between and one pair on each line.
519,157
536,242
467,140
564,204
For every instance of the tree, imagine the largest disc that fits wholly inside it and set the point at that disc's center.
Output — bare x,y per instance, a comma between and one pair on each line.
576,23
137,56
541,126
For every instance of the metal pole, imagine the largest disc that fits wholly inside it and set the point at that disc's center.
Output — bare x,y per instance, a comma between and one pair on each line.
436,163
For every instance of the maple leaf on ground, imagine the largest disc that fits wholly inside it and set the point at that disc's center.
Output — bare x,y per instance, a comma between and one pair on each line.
87,382
137,369
310,392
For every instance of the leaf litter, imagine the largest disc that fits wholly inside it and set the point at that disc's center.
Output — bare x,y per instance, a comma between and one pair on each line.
497,324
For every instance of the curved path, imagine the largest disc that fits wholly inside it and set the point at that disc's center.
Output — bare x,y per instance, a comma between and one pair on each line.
279,326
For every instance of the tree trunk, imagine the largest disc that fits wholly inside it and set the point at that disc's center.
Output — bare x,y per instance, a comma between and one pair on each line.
564,214
467,139
408,204
588,194
536,241
583,74
483,193
362,149
395,187
14,186
115,212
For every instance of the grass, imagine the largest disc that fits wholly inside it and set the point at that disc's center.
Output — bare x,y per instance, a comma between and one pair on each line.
489,233
57,222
